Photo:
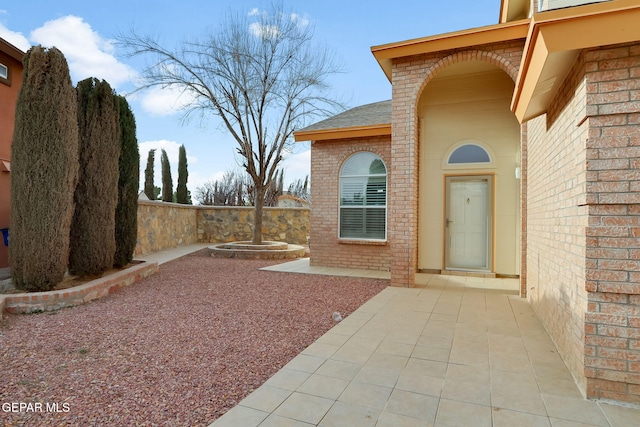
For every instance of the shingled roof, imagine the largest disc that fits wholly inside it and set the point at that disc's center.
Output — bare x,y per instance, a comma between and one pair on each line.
378,113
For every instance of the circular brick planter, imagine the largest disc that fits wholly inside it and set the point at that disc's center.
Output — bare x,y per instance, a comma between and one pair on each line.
267,250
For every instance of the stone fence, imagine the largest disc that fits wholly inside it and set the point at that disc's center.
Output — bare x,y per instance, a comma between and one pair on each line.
163,225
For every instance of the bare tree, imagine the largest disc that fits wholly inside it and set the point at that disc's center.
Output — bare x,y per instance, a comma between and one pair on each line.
260,75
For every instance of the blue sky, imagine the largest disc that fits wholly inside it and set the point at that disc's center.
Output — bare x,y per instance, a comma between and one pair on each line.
84,31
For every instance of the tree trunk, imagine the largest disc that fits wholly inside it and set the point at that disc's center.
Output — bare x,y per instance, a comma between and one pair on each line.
257,216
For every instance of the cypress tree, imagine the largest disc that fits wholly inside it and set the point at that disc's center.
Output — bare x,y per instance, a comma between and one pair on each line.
182,194
167,182
93,242
44,171
126,232
149,186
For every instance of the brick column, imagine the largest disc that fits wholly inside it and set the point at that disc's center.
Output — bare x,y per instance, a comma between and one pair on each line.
403,188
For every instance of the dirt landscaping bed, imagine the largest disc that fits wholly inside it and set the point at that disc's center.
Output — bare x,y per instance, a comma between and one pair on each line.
179,348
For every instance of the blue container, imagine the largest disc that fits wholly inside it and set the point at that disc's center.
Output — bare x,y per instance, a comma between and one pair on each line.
5,236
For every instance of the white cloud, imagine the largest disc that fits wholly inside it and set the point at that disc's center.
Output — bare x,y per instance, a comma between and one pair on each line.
301,21
263,31
253,12
16,39
165,101
88,54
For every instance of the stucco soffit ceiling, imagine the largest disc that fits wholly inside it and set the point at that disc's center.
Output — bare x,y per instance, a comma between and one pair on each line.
385,54
555,40
510,10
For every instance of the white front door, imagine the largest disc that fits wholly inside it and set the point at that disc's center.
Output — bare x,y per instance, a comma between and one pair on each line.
468,223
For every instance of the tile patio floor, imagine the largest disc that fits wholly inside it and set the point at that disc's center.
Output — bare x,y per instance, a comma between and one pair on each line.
456,351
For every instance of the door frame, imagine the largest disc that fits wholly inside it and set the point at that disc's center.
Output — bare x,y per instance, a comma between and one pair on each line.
491,241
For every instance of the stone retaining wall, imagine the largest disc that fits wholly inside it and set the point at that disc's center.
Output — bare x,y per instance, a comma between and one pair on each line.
163,225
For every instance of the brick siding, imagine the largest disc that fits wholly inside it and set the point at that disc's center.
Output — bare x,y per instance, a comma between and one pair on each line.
326,248
410,77
584,219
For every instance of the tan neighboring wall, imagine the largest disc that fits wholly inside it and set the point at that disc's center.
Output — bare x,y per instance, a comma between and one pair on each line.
326,248
583,220
164,225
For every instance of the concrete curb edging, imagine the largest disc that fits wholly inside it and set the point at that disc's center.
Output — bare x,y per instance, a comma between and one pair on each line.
34,302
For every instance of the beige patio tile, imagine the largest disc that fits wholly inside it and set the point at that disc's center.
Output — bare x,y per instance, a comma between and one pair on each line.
369,395
304,407
414,405
278,421
508,364
521,398
431,353
339,369
333,339
556,422
437,342
388,419
427,367
266,398
387,361
621,416
468,373
395,348
554,369
345,414
378,376
321,386
580,410
506,418
320,350
240,416
559,387
513,379
287,379
467,391
352,354
305,363
420,383
453,413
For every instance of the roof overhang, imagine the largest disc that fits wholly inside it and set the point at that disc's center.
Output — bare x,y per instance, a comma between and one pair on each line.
554,42
11,50
343,133
385,54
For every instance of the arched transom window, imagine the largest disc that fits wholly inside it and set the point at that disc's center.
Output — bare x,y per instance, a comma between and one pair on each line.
469,153
363,197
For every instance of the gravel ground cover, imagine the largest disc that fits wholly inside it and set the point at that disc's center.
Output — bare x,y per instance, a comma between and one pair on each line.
179,348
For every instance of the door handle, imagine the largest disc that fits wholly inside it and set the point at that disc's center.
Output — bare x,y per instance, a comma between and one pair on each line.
449,222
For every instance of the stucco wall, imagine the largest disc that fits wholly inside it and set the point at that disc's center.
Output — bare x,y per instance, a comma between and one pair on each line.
455,110
167,225
326,248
